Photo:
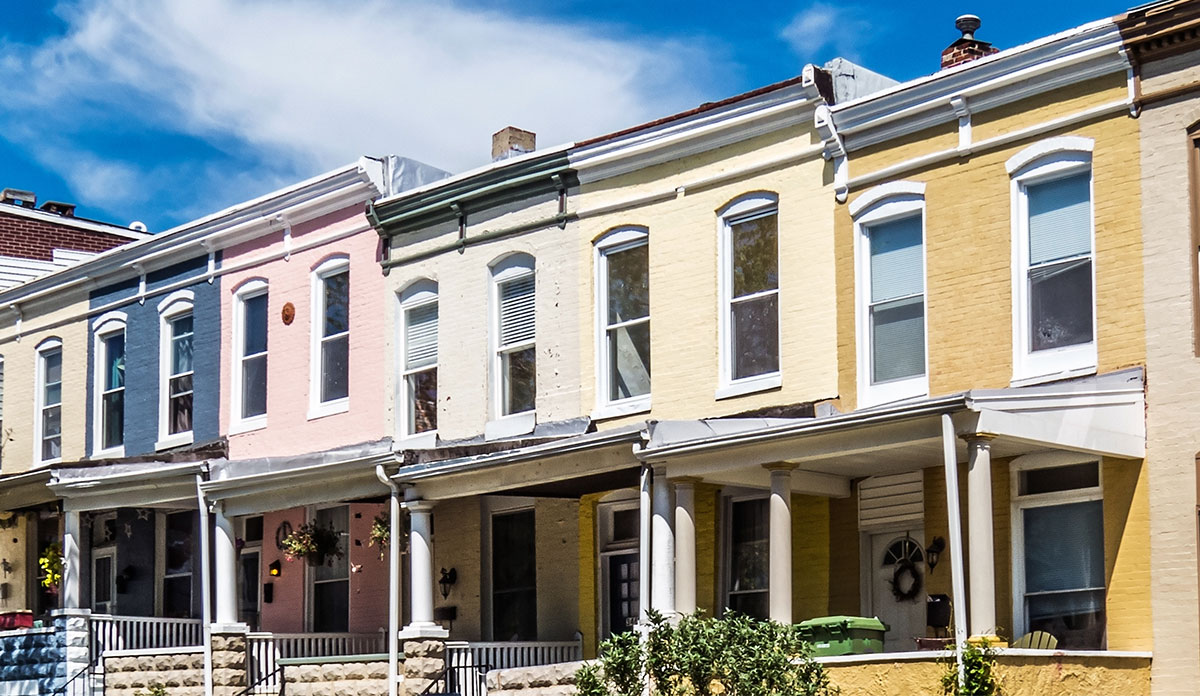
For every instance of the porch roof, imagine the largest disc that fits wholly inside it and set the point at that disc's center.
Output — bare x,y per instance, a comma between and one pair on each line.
25,490
1101,415
127,484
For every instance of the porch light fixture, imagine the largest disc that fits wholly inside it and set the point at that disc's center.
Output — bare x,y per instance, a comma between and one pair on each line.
275,569
449,577
934,552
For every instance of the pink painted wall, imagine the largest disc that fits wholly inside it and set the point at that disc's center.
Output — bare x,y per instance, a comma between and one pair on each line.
368,575
288,430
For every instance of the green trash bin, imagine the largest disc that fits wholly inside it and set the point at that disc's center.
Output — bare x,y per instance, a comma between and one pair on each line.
843,635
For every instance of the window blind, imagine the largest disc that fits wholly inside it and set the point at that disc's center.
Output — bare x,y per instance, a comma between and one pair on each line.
421,336
517,311
897,259
1060,218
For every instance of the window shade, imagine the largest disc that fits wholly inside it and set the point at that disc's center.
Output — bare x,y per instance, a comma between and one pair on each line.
1064,547
897,259
517,311
1060,218
421,336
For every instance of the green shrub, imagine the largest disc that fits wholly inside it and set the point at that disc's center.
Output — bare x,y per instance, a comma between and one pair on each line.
979,677
697,656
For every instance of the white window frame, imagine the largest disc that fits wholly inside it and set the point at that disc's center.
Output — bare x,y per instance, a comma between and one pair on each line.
316,407
1048,160
1041,460
617,240
511,267
885,203
172,307
103,328
47,346
621,501
746,207
418,294
108,551
246,291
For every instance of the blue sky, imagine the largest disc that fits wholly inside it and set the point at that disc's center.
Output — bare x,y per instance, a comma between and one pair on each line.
165,110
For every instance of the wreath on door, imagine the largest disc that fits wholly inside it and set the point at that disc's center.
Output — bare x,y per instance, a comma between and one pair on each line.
906,575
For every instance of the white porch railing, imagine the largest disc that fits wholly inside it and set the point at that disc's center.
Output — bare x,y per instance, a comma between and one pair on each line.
468,663
265,649
108,632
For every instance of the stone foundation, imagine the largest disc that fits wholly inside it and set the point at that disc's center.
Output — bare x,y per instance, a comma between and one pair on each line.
424,661
32,661
544,680
361,675
181,671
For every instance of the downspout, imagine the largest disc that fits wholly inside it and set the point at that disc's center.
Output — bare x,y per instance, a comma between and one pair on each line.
393,641
957,573
205,587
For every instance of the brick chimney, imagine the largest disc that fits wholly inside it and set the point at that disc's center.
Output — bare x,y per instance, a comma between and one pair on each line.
967,48
511,142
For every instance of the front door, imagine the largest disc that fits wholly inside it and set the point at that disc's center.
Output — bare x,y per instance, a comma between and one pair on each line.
898,587
622,587
104,581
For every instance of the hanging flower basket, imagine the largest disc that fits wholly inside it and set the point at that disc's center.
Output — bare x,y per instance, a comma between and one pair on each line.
381,534
51,563
315,544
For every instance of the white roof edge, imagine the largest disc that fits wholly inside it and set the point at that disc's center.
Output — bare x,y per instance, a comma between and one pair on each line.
79,223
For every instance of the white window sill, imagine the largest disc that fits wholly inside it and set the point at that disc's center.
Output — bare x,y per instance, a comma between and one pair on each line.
893,392
110,453
425,440
49,462
328,408
248,425
510,426
1030,380
625,407
176,440
750,385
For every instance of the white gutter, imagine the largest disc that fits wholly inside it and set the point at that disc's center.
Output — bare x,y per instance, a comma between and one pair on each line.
393,640
205,587
958,584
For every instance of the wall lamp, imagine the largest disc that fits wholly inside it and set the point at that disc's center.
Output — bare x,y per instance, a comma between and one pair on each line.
449,577
275,569
934,552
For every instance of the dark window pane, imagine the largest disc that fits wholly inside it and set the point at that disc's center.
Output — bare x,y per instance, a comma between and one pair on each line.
514,577
1076,619
52,421
114,362
331,607
625,524
629,353
177,597
628,284
179,544
755,250
52,364
756,336
423,404
337,518
335,369
254,528
750,603
1060,478
254,386
248,581
181,345
113,404
52,448
102,581
255,328
337,303
1060,304
898,339
180,405
520,380
749,546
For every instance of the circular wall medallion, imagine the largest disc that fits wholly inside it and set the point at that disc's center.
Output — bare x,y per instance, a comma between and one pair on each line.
288,314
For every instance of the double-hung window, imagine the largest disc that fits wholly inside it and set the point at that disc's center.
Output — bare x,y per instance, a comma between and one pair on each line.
623,308
890,292
249,399
176,369
515,350
330,388
419,319
48,436
1058,547
108,432
749,232
1054,322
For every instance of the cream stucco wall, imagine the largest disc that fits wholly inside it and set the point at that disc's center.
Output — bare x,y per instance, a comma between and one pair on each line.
684,287
1173,371
464,278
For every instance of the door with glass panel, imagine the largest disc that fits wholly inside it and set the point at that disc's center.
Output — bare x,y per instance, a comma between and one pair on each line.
104,580
331,579
514,576
748,560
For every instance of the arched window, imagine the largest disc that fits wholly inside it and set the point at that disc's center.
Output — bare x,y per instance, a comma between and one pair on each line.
329,390
419,358
623,321
749,290
47,437
108,385
514,336
248,397
176,370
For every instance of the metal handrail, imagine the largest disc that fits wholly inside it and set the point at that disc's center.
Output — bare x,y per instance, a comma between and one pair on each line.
278,671
87,671
442,677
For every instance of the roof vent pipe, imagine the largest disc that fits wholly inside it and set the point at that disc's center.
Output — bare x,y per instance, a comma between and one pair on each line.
967,48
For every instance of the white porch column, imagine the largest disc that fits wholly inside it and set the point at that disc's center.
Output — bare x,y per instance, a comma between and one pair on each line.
780,547
662,584
224,567
980,560
70,560
685,545
420,554
644,522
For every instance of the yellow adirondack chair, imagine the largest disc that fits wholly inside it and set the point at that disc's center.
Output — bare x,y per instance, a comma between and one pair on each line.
1037,640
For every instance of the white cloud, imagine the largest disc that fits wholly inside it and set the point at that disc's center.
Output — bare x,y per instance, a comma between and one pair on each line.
822,27
302,85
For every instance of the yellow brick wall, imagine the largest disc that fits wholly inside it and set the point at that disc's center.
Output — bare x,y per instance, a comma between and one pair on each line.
810,557
684,297
589,606
707,535
844,557
969,248
1127,554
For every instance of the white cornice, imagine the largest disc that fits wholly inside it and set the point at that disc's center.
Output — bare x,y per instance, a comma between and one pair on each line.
708,130
1084,53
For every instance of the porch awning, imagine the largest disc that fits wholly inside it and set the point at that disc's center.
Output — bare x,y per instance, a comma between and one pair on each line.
138,484
1102,415
24,490
250,486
